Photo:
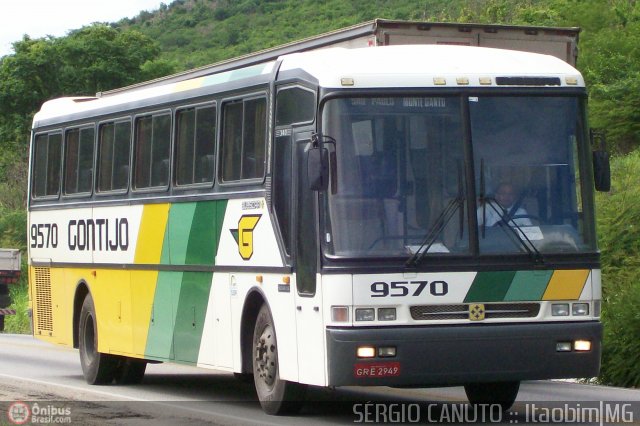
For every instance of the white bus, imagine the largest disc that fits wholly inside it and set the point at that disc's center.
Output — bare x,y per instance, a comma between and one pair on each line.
329,218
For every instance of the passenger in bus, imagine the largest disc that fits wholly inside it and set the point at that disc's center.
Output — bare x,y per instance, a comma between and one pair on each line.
503,208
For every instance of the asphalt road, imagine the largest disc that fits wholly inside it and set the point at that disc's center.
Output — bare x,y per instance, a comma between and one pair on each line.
48,380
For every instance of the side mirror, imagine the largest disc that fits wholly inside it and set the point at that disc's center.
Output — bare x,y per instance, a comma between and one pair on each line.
601,166
318,169
601,171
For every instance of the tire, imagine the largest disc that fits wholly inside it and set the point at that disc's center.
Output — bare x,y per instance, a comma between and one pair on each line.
276,396
130,371
243,377
496,393
97,368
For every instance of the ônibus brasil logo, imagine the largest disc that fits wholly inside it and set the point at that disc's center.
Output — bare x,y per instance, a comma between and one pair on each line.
18,413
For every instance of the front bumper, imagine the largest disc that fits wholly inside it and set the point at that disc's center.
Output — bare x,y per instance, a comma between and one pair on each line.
456,355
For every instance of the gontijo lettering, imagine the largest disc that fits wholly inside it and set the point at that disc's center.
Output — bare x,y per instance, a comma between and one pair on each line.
99,234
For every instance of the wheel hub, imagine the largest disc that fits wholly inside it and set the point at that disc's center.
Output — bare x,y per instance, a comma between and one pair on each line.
266,356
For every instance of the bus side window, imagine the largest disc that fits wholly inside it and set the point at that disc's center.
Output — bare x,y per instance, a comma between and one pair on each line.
295,105
78,162
243,139
151,155
195,144
48,156
114,146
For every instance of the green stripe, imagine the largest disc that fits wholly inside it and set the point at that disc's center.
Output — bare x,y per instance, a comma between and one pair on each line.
205,233
489,286
528,285
163,316
181,298
180,223
192,310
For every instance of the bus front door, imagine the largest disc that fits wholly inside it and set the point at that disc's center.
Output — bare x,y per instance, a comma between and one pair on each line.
311,352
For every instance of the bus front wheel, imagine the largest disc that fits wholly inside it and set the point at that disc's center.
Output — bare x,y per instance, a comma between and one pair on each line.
276,396
496,393
98,368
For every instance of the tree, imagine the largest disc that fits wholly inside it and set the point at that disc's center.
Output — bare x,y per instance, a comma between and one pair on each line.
99,58
92,59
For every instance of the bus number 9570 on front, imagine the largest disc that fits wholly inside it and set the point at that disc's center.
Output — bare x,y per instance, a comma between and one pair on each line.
406,288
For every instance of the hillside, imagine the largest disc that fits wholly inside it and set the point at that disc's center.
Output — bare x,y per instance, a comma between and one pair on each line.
198,32
192,33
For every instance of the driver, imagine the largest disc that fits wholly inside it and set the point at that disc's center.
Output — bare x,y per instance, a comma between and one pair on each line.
503,208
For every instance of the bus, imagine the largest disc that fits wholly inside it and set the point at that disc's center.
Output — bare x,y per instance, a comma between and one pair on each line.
323,219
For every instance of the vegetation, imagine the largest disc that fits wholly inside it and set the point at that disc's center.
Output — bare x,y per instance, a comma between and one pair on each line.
190,33
20,323
618,222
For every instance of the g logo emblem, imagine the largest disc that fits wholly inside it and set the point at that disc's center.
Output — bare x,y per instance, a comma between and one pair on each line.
244,234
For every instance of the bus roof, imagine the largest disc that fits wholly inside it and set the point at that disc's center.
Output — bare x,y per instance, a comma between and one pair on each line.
415,66
428,66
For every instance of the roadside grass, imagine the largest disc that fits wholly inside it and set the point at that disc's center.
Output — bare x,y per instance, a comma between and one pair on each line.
20,323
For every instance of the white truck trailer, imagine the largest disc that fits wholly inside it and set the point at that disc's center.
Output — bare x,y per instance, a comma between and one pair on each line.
561,42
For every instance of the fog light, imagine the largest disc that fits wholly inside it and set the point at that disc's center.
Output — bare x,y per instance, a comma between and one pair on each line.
560,309
563,346
340,313
386,314
582,345
366,352
368,314
580,309
387,352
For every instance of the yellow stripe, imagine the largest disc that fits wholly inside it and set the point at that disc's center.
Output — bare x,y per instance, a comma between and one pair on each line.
142,292
149,250
566,285
151,234
111,291
54,306
188,85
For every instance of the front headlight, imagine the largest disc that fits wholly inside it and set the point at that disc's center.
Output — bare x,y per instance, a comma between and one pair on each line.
580,309
367,314
560,309
386,314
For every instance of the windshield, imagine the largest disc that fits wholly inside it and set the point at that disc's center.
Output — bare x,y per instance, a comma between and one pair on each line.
527,153
398,183
399,176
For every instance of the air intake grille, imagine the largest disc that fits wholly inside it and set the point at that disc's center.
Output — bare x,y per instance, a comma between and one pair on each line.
44,318
461,311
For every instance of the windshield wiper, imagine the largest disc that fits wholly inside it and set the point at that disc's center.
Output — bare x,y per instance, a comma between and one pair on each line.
440,224
435,230
511,227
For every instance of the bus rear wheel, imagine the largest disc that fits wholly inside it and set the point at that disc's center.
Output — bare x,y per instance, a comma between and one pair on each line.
276,396
495,393
97,368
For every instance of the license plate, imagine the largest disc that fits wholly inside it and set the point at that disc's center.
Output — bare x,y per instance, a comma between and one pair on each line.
377,369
